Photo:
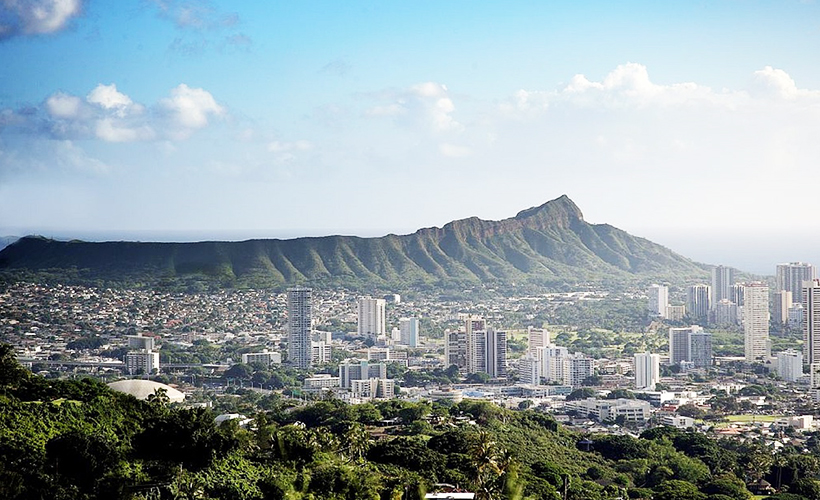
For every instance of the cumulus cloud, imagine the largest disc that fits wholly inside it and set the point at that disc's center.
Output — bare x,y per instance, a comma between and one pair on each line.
427,104
112,116
190,108
36,17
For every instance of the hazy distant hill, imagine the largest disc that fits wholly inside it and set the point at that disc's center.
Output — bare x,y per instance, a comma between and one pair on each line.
7,240
547,245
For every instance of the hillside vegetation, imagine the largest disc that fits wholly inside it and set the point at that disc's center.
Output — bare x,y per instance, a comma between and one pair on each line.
549,245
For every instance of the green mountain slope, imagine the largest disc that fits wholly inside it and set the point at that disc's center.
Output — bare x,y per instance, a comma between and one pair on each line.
546,245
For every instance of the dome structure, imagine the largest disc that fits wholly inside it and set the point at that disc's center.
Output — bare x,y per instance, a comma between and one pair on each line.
141,389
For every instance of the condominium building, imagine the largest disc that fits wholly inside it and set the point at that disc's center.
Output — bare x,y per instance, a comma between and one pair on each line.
264,357
142,362
699,302
350,370
409,331
723,278
658,300
790,365
756,322
647,370
299,326
372,317
791,277
811,321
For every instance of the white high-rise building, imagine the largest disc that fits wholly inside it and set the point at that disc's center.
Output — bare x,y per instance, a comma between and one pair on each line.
647,370
299,326
409,330
723,278
658,300
790,365
811,321
699,302
726,313
782,302
372,317
529,369
791,277
580,367
142,362
756,322
537,337
350,370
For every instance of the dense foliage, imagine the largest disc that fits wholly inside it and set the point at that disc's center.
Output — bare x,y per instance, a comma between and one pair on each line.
80,440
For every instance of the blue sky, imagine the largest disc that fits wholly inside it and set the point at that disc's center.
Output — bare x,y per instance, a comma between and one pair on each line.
694,124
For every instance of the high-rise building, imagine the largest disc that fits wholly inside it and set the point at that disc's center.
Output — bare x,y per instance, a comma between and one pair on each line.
580,367
647,370
723,278
726,313
756,322
791,277
658,300
811,321
372,317
690,345
476,349
699,302
680,343
350,370
409,331
736,294
782,302
529,369
790,365
300,349
320,352
142,362
496,353
537,337
701,349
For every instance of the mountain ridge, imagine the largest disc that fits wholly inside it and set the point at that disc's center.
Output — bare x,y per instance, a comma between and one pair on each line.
547,245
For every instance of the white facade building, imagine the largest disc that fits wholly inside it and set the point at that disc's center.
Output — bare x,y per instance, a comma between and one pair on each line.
264,357
409,331
142,362
756,322
811,321
658,300
647,370
790,365
372,317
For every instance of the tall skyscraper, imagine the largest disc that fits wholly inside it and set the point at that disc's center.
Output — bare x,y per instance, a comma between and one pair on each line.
811,322
680,343
658,300
782,302
537,337
699,302
701,349
299,326
791,277
496,353
409,329
372,317
723,277
690,344
647,370
756,322
790,365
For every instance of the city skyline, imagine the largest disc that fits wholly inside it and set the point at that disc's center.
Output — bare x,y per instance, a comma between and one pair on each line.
170,120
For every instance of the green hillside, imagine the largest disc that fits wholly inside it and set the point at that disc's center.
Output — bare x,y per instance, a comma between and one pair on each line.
548,245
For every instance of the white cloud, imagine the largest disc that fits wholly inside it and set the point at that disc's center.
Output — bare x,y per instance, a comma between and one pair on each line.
190,108
426,105
36,17
65,106
112,116
109,97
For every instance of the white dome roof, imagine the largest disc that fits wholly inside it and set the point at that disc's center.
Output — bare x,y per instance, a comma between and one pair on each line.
141,389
